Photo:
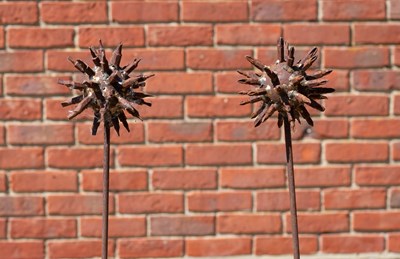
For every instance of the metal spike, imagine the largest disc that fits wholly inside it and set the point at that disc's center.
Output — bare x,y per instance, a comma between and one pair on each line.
290,60
96,123
254,100
308,63
95,58
115,123
316,105
82,67
313,83
280,120
116,56
306,115
255,63
80,107
72,84
281,50
321,90
259,110
132,66
319,74
73,100
122,118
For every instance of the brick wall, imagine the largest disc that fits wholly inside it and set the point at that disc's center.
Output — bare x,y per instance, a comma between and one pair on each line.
196,179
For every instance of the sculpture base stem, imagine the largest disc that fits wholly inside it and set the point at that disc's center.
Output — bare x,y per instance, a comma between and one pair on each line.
106,177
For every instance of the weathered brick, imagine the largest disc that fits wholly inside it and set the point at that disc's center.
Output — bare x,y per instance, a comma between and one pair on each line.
354,105
321,223
129,36
74,12
274,153
216,106
118,227
43,228
132,180
150,247
184,179
219,201
313,34
150,156
252,178
40,37
43,181
180,83
240,131
376,80
324,129
18,13
150,203
21,206
339,80
3,229
200,11
279,200
394,9
354,152
77,249
2,39
161,132
21,61
397,104
393,241
182,225
349,244
21,158
377,175
40,134
3,182
350,10
396,151
238,154
54,110
182,35
375,128
22,249
249,224
395,198
356,57
276,10
21,85
218,246
75,157
272,245
376,33
227,82
145,12
227,34
323,176
165,107
20,109
355,199
77,204
217,59
376,221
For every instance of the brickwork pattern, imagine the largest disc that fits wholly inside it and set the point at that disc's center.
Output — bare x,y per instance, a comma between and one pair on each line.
196,179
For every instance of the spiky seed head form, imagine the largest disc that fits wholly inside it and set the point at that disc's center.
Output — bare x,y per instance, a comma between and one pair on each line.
285,87
109,90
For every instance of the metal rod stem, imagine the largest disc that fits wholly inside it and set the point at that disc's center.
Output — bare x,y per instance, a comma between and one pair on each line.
292,189
106,176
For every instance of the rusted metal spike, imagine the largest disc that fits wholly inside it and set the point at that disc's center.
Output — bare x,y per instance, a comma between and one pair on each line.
80,107
96,123
249,81
116,56
309,55
73,100
132,66
134,81
302,98
95,58
113,78
316,105
82,67
271,74
141,101
313,83
319,74
306,115
281,50
122,118
258,120
104,64
258,111
280,120
271,109
321,90
290,60
115,123
96,90
253,100
255,63
308,63
71,84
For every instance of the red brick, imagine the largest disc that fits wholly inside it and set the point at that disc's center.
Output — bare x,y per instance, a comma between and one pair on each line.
268,55
277,10
227,82
316,34
395,198
129,36
150,203
57,60
144,12
216,106
237,154
184,179
356,57
323,176
321,223
164,107
45,134
132,180
18,13
136,134
267,34
21,85
182,35
77,204
21,206
150,156
75,157
43,228
218,246
326,129
217,59
2,39
182,225
118,227
77,249
376,34
375,128
271,245
396,151
376,80
20,109
21,61
376,221
161,132
350,10
252,178
198,11
355,199
43,181
339,80
180,83
3,182
397,104
3,228
54,110
377,175
239,131
279,200
394,9
394,240
70,12
349,244
40,37
150,247
20,158
397,56
275,153
354,105
249,223
22,249
354,152
219,201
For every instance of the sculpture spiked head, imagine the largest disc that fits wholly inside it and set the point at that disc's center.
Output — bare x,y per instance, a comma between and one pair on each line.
285,87
109,89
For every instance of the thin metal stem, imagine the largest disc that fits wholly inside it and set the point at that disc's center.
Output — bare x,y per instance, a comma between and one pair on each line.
106,176
292,189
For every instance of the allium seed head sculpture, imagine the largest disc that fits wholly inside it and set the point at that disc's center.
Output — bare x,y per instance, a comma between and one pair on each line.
109,90
285,87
